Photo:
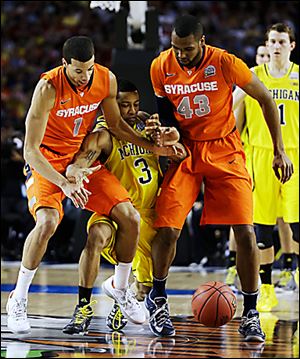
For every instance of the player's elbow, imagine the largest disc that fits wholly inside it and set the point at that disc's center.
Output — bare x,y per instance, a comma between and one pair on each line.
28,153
115,128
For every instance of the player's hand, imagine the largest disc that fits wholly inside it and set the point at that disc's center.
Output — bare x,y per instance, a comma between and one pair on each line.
162,136
152,124
283,163
181,153
77,175
77,193
143,116
166,136
167,151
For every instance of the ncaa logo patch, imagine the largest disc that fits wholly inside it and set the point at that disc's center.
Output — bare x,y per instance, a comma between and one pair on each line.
209,71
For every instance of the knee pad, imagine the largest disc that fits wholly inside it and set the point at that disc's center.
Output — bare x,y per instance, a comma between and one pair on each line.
295,230
264,235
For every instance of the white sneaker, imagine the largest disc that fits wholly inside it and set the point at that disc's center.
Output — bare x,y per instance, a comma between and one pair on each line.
17,320
17,350
129,305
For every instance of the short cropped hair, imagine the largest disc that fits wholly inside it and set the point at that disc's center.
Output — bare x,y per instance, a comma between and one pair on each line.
80,48
281,27
188,25
126,86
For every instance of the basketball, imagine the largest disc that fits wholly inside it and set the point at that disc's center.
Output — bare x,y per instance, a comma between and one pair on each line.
213,304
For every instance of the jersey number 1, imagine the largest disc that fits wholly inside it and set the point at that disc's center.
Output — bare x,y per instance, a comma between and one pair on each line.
77,124
281,114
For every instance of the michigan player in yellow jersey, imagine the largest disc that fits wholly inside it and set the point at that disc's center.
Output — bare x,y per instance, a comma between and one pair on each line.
273,199
262,56
139,172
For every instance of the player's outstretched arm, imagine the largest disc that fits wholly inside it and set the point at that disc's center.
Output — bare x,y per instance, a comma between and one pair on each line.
281,162
91,148
36,122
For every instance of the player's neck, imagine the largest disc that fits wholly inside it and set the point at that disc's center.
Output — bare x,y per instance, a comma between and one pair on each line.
279,68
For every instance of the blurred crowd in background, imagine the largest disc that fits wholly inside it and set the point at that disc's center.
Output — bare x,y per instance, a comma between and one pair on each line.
33,33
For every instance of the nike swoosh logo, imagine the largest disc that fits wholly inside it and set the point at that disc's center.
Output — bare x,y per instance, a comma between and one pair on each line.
62,102
169,75
230,162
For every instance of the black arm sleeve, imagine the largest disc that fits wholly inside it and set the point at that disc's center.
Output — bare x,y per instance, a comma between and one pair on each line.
166,112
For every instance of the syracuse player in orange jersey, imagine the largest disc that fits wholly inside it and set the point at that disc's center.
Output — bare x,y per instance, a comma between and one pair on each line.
193,83
63,109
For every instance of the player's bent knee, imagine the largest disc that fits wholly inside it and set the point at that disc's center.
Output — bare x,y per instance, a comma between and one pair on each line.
169,234
264,236
124,214
244,236
47,223
99,236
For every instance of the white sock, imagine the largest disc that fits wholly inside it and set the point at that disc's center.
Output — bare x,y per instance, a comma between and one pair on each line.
24,280
122,274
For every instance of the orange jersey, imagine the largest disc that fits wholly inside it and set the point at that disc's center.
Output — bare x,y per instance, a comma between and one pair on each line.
202,96
74,111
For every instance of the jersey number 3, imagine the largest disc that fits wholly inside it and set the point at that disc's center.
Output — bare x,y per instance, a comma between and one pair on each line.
141,162
185,109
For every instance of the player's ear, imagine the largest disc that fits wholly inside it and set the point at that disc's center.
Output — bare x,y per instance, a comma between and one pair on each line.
64,62
202,40
293,45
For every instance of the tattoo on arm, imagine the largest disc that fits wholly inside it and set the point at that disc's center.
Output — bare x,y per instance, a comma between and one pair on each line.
90,156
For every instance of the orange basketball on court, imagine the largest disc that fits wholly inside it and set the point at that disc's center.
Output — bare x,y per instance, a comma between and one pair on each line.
213,304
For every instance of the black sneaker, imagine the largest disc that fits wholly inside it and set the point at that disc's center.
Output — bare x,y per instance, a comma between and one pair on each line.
115,319
81,320
250,327
159,322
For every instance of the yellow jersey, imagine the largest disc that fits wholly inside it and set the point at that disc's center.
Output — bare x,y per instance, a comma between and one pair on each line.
137,169
285,92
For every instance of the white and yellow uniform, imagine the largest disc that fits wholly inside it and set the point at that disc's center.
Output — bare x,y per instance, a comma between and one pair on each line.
273,199
139,172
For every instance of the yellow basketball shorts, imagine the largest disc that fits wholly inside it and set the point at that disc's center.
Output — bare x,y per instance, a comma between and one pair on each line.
271,198
142,263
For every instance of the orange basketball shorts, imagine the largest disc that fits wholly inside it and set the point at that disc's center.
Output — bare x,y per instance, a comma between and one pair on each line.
106,189
220,164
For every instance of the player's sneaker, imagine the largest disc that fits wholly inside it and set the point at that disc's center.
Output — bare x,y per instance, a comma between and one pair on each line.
127,301
231,276
81,319
268,323
17,350
115,319
250,327
159,321
286,280
17,320
267,299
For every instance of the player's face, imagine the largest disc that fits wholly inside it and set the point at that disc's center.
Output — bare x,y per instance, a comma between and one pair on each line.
129,104
79,72
188,50
279,46
262,55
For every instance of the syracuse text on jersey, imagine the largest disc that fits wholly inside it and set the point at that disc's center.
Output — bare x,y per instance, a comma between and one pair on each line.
78,110
182,89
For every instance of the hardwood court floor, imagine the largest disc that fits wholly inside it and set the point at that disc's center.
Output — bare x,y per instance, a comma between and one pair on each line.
53,296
